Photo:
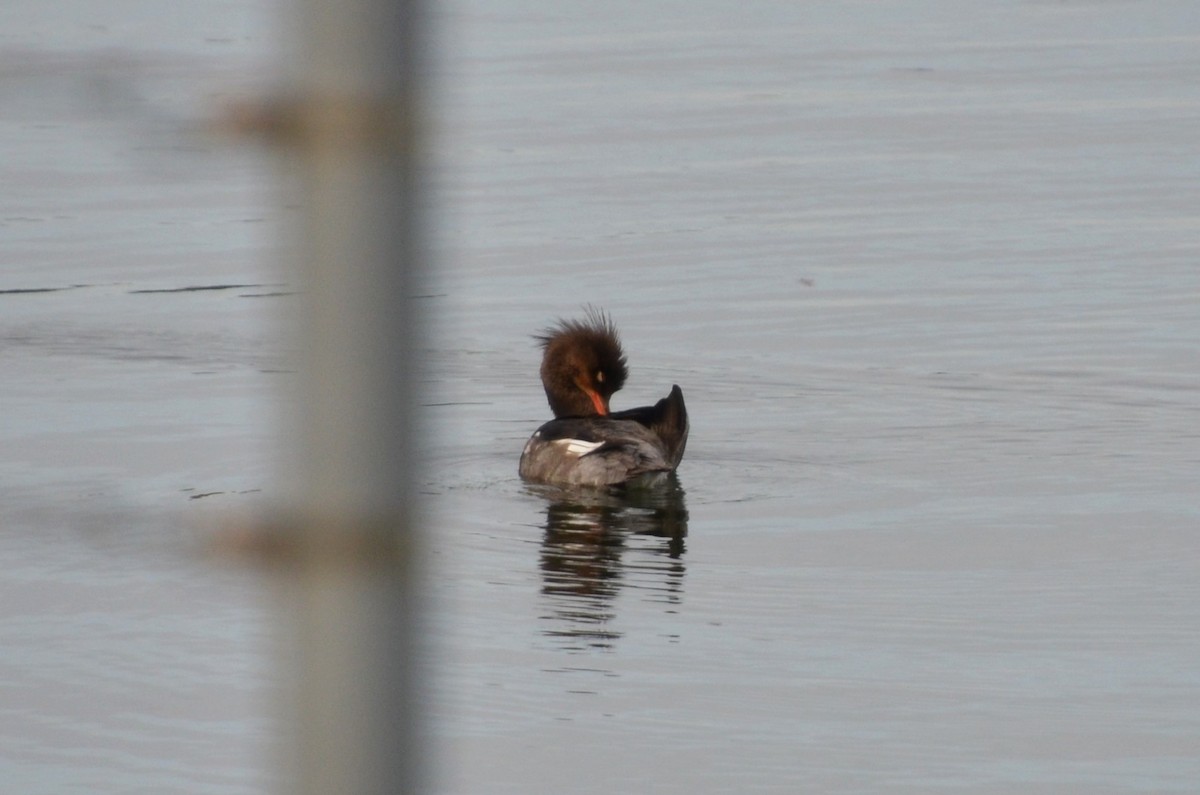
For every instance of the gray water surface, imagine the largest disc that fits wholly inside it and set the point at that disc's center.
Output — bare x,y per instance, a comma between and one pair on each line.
926,272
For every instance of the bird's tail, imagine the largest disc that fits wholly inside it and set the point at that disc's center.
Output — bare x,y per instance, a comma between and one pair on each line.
671,424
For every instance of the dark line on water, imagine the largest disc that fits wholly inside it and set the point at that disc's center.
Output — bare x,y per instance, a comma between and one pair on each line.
29,290
193,288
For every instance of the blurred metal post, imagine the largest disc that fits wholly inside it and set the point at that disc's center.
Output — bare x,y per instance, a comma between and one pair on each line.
350,129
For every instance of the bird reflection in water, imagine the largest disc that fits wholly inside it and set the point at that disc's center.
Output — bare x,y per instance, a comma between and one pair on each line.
599,541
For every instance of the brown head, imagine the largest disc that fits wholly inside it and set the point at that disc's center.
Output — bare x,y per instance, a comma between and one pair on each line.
583,365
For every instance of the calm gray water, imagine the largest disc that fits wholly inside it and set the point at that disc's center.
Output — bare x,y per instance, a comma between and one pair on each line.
927,272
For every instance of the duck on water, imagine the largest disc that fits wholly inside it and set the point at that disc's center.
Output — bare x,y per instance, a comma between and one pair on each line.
586,444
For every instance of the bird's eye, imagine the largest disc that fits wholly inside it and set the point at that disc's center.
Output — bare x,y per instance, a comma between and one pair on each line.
599,376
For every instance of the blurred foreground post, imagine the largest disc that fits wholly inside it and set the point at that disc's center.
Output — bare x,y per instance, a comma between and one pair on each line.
350,130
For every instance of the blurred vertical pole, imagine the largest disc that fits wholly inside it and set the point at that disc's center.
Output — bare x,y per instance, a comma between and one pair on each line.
350,129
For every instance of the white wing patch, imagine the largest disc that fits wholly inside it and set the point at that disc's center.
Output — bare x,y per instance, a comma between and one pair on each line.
577,447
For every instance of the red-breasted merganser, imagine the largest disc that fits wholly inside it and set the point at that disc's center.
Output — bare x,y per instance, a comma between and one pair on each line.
586,444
